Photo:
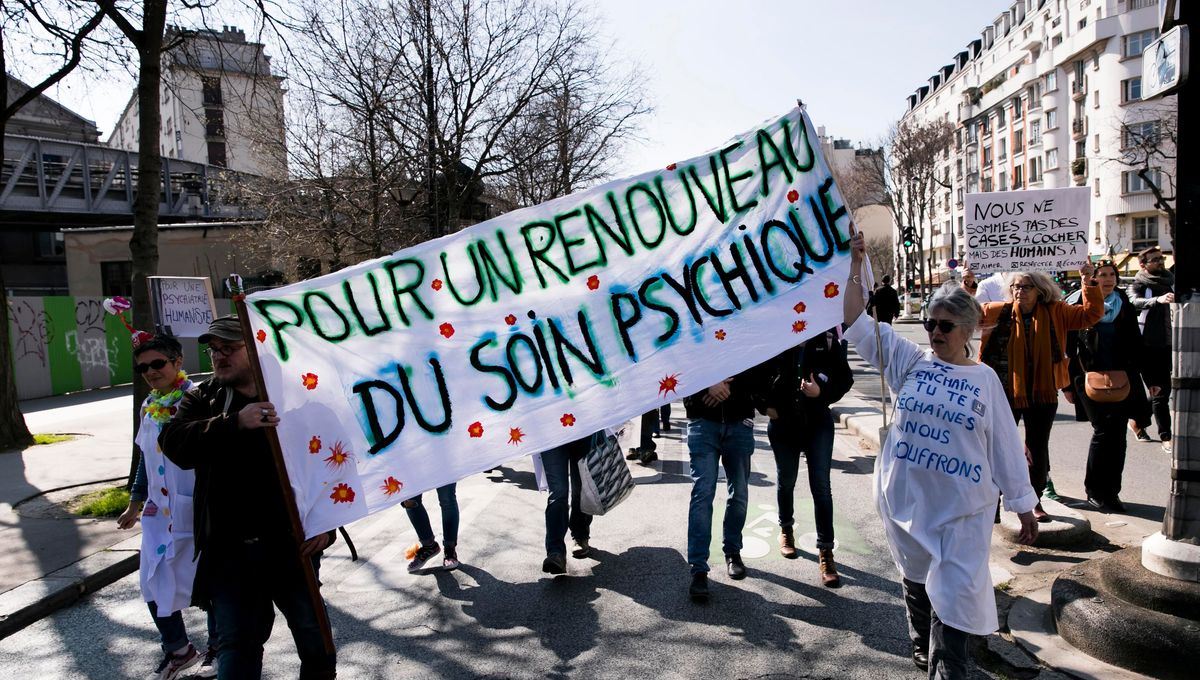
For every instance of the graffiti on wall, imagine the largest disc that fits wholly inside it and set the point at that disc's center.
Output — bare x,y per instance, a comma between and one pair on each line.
30,332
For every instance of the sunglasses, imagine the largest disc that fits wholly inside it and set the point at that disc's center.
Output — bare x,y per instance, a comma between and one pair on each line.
1022,286
157,364
940,324
971,284
224,351
1156,260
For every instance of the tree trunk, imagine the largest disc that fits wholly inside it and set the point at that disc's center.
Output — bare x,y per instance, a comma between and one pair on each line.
143,246
13,431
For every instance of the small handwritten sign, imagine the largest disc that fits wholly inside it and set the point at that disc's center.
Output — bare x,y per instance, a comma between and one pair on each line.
1042,230
182,305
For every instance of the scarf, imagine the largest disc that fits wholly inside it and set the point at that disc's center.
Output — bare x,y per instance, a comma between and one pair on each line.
1164,281
1112,306
1019,345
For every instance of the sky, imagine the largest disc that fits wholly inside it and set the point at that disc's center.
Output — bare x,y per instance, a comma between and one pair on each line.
717,68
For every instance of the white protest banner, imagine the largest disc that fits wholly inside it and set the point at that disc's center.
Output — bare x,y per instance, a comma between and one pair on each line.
181,306
546,324
1042,230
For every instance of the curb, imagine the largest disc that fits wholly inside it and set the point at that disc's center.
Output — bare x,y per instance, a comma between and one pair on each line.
39,598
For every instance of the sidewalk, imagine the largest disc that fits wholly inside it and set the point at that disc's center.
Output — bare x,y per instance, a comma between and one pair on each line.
48,561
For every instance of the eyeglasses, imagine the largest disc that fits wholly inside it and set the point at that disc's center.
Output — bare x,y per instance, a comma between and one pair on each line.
940,324
1022,286
971,284
1156,260
223,350
153,365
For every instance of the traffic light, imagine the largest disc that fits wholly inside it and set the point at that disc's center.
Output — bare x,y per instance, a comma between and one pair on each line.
910,237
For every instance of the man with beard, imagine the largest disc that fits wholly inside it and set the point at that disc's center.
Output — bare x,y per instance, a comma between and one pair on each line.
248,559
1152,294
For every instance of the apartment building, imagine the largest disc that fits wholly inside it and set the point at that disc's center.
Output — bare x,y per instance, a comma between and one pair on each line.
1048,96
220,104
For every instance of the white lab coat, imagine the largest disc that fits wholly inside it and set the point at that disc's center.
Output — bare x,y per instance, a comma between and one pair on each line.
167,567
952,448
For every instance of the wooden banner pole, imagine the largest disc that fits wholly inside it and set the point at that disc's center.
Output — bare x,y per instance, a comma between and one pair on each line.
289,497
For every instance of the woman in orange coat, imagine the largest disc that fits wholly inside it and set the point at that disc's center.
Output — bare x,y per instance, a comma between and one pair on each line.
1024,340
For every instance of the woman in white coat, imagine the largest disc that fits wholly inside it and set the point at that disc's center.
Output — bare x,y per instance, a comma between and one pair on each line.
952,449
162,495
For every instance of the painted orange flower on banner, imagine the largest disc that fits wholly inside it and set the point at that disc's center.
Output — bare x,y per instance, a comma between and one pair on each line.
436,284
342,493
720,334
338,455
446,329
475,429
831,290
515,435
567,420
309,380
793,196
511,320
668,384
799,326
261,335
672,166
314,444
593,282
800,308
391,486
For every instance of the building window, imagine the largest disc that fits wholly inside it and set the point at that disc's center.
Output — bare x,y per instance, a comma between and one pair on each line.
987,157
1035,132
214,123
1018,177
1018,141
1051,159
216,154
987,183
1137,134
1000,122
1135,184
211,91
1134,44
1052,81
1138,4
1131,90
116,278
1052,119
1145,232
1017,109
1003,149
1035,169
1003,181
50,244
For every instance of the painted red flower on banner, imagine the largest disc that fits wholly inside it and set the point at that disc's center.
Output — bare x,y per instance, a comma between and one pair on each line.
799,326
261,335
793,196
593,282
314,444
831,290
475,429
511,320
668,384
800,307
720,334
446,329
436,284
338,455
391,486
515,435
672,166
309,380
567,420
163,490
342,493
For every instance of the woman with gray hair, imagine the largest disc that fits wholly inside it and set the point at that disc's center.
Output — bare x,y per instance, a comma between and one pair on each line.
1025,342
948,455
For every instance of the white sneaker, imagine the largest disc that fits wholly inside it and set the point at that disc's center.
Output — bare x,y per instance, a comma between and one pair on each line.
208,667
1166,447
173,665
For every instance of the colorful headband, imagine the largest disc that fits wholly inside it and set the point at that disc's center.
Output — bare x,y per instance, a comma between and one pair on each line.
117,306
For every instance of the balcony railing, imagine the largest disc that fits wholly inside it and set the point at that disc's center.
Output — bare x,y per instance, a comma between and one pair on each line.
1079,87
1078,128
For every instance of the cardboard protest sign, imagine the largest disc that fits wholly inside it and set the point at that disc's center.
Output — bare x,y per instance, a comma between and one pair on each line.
1041,230
182,306
546,324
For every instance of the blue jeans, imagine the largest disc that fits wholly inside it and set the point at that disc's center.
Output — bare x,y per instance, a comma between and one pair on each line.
788,439
247,580
710,443
419,517
561,465
173,633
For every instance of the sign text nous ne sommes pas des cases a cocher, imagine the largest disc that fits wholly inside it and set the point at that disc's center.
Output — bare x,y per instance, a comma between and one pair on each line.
1040,230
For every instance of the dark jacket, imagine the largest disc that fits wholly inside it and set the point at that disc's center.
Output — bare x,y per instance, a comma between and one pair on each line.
1116,346
1157,331
824,358
886,303
745,389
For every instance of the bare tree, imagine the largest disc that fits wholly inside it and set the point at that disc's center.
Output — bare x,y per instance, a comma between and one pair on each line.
1149,143
879,250
62,34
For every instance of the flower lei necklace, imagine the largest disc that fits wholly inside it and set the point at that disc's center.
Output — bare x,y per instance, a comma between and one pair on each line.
161,406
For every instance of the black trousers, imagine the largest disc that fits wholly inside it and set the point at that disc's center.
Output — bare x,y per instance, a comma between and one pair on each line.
1039,418
1157,372
948,648
1106,452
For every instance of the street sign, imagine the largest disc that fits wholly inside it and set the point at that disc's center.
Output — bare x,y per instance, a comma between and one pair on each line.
952,264
1165,64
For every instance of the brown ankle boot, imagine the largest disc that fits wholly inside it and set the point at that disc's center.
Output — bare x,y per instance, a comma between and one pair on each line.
829,575
787,543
